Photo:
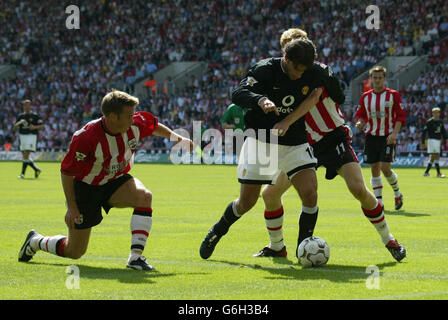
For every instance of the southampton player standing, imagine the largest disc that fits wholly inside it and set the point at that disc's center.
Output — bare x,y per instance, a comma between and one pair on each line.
272,89
381,111
94,175
28,123
434,131
331,142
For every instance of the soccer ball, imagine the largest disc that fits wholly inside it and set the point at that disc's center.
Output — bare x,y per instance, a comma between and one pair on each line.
313,252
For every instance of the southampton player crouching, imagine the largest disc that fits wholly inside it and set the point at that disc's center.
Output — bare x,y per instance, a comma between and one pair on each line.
94,175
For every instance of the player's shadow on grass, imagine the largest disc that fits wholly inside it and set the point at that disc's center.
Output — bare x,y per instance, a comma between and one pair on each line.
125,275
406,213
332,272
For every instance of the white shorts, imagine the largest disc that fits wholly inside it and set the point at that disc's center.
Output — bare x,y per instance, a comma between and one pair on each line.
28,142
262,163
433,146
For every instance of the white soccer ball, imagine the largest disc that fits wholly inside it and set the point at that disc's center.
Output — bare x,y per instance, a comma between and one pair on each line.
313,252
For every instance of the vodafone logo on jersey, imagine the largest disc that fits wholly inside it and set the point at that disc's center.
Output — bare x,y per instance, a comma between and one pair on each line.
285,110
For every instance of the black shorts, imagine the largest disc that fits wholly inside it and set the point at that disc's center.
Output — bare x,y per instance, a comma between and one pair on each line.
334,150
376,149
90,199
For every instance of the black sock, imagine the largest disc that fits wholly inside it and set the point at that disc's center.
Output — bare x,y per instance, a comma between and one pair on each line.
24,165
437,167
227,219
307,222
428,167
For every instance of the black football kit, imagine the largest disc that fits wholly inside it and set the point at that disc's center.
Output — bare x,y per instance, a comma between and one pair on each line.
267,79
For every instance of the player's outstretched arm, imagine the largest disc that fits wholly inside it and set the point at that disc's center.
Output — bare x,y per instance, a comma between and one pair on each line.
299,112
165,132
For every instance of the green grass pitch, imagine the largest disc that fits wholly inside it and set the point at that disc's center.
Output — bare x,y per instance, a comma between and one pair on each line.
188,199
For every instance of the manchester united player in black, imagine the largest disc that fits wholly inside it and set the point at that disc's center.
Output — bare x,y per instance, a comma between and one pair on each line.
271,90
435,132
28,123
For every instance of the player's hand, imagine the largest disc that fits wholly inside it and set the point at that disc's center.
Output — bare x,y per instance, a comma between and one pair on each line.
359,125
268,106
72,216
317,92
391,139
282,127
186,142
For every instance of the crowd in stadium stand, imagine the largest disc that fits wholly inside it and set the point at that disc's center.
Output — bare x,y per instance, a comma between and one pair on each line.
66,72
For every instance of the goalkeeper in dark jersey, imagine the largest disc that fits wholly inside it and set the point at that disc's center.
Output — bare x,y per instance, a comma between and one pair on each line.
272,89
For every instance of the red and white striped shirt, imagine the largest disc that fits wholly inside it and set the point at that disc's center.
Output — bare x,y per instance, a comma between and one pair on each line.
323,118
96,156
380,111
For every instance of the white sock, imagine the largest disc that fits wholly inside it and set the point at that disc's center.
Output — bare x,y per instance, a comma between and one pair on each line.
393,181
378,220
141,223
274,224
377,186
53,244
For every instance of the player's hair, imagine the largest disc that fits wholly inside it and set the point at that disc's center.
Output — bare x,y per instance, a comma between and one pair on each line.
435,109
115,101
24,102
291,34
301,51
378,69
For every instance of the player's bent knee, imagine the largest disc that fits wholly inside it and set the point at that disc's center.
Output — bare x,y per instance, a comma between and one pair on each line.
144,199
74,254
269,195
